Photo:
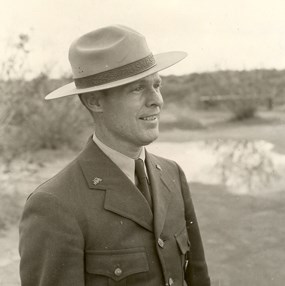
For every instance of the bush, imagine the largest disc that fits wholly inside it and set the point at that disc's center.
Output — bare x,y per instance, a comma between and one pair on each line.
11,208
31,123
27,121
242,108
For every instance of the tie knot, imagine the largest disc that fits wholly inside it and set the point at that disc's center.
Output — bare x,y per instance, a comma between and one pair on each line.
139,169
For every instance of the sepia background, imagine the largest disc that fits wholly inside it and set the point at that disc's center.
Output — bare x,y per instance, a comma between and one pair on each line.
223,118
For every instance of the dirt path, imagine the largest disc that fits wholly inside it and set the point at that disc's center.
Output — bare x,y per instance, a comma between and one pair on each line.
9,259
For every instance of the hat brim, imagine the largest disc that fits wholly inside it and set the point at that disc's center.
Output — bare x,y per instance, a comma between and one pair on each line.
163,61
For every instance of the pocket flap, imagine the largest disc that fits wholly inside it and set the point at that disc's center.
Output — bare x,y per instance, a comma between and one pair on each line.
183,241
117,264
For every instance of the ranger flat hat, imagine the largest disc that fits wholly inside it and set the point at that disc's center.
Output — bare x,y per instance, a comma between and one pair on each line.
110,57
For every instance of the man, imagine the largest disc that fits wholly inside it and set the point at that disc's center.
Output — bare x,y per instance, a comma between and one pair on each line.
116,215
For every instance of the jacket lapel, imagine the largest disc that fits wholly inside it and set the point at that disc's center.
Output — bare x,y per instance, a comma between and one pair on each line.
161,191
122,196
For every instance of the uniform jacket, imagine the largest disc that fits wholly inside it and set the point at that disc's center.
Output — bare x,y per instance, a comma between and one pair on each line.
90,225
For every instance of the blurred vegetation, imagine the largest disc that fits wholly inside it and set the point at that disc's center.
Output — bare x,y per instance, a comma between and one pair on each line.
29,123
265,86
10,207
240,92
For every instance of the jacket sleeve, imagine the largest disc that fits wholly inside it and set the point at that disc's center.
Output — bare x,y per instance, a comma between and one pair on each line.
196,273
51,244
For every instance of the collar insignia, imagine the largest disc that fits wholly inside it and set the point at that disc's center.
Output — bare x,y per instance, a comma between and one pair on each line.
97,181
158,167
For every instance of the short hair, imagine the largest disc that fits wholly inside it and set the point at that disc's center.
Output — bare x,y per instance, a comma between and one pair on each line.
81,95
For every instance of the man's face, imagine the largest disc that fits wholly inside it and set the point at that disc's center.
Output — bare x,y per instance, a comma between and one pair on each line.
130,114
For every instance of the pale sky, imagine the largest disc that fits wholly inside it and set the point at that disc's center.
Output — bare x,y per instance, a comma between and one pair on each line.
216,34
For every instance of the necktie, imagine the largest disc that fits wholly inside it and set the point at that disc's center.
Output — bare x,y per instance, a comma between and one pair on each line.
142,180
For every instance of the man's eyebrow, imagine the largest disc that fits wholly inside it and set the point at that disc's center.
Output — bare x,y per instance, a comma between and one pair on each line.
156,80
144,81
137,82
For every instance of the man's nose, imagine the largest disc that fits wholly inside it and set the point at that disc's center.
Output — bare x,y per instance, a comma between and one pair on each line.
155,98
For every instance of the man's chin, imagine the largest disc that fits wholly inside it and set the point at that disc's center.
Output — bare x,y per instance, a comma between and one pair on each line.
150,138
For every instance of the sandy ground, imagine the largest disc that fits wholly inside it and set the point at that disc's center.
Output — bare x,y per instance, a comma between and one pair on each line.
243,236
9,259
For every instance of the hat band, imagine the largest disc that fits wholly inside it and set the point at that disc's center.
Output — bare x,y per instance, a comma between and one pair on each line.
119,73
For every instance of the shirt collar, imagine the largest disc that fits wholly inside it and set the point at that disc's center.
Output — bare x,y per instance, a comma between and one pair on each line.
125,163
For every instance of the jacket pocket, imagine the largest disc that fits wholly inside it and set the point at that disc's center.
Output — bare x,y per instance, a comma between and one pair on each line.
117,264
183,241
184,247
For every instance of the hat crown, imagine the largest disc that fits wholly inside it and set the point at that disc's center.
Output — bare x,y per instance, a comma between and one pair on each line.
106,49
110,57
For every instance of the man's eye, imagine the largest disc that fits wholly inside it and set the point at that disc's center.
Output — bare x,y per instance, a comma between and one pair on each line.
138,88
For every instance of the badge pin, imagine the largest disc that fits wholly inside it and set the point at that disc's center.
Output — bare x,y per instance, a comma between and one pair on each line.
158,167
97,181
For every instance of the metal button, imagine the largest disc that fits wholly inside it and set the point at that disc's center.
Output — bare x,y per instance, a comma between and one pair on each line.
118,271
160,242
170,281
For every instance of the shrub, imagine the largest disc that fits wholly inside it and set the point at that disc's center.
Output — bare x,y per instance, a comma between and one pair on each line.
27,121
242,108
31,123
11,208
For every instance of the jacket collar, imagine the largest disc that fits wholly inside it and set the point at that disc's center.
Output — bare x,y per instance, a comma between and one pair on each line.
122,196
162,186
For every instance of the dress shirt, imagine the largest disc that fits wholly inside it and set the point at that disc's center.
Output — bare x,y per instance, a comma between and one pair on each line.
125,163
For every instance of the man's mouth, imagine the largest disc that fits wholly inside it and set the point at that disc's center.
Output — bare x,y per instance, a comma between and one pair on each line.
150,118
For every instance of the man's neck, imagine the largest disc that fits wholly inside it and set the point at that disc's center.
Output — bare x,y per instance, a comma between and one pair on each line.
124,148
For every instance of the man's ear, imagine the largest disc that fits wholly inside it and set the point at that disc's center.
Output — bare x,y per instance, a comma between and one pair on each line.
93,101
